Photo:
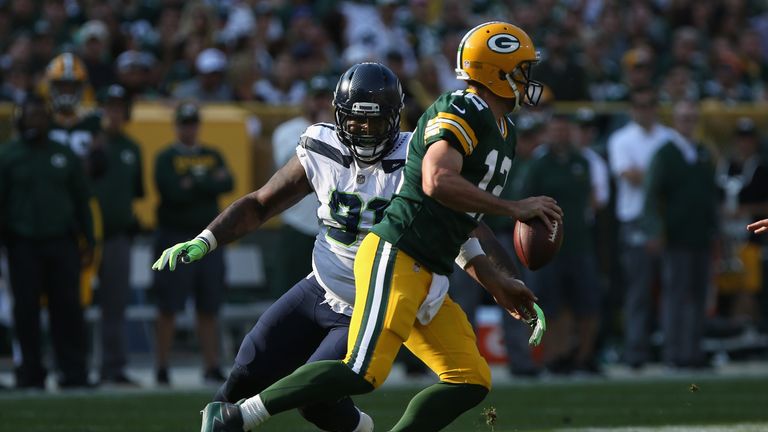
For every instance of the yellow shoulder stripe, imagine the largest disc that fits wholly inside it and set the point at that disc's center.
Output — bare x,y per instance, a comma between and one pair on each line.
458,127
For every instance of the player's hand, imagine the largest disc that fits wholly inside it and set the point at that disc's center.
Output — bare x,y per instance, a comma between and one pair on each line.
542,207
758,227
186,252
515,298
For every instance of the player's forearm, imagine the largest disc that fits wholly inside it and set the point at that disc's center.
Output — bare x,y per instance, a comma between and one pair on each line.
485,273
241,217
495,251
454,191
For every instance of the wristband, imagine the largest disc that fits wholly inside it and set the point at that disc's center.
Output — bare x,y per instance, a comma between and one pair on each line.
470,249
209,239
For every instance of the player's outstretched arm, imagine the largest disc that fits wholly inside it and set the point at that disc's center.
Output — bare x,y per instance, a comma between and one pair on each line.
442,180
286,187
758,227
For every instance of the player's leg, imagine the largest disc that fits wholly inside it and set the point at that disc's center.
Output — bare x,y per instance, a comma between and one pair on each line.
66,311
114,295
340,415
209,295
27,276
170,290
585,296
675,303
390,287
637,266
448,346
283,338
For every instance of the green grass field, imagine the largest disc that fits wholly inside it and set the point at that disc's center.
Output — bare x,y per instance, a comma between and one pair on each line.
606,405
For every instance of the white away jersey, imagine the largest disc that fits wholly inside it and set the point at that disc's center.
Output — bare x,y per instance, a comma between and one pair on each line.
352,199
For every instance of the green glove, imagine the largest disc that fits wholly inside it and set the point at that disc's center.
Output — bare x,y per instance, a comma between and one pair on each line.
539,328
187,252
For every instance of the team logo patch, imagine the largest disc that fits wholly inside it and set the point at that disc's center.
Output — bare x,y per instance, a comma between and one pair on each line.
503,43
58,160
127,157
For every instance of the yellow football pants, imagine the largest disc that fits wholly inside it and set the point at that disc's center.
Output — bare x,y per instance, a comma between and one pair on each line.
389,288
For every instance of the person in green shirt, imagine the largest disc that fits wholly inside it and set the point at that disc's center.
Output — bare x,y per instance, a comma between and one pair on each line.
44,212
190,178
680,214
457,165
568,285
117,182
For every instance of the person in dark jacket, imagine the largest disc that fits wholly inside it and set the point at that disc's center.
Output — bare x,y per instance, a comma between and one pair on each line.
190,178
47,229
116,183
680,214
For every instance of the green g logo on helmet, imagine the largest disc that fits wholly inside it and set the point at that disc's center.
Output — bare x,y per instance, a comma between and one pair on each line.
503,43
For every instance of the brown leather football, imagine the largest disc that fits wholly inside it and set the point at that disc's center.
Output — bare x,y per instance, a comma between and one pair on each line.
535,245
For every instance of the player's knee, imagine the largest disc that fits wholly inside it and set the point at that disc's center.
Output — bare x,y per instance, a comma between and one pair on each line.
479,375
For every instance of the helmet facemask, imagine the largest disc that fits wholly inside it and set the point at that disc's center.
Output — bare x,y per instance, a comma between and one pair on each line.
520,79
66,94
366,130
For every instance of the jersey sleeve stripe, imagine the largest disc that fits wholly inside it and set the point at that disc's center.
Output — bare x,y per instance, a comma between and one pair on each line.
454,130
466,139
463,123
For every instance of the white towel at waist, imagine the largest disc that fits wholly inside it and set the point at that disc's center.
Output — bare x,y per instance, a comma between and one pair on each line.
437,292
438,289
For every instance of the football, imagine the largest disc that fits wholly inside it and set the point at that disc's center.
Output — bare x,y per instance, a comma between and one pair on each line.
535,245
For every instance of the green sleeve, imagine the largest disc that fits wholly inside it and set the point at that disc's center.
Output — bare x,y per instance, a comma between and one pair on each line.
653,184
169,182
138,190
81,195
212,185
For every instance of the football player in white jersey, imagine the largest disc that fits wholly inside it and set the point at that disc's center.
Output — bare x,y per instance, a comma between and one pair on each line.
354,168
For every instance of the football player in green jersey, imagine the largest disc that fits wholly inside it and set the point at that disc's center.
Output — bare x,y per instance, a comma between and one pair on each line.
457,166
67,79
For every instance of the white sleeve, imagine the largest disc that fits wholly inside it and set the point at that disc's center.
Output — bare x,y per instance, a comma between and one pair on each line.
600,180
617,154
309,163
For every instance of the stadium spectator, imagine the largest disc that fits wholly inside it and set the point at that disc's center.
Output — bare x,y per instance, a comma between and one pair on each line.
280,85
93,41
630,150
559,70
209,84
16,83
678,85
118,183
135,70
567,287
190,178
585,139
727,84
742,176
680,182
44,198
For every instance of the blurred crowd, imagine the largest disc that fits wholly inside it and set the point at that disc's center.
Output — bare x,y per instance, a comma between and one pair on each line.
655,216
267,50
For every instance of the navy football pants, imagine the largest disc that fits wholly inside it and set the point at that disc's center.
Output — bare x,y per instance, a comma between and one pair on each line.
296,329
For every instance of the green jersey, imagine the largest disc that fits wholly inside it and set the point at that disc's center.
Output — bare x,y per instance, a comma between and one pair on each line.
428,231
119,184
565,177
79,136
